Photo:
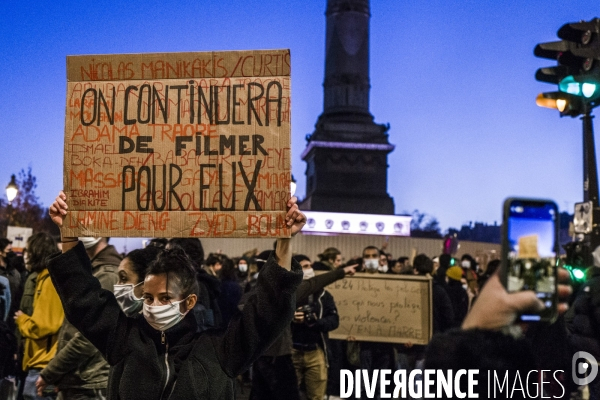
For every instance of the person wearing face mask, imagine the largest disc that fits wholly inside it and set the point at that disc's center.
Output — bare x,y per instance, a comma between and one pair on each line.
383,263
132,272
374,355
162,356
78,369
371,259
242,267
314,318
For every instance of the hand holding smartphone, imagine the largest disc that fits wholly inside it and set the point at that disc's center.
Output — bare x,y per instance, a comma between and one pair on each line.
530,252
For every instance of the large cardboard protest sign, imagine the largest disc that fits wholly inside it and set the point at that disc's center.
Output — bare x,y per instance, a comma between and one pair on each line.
178,144
383,308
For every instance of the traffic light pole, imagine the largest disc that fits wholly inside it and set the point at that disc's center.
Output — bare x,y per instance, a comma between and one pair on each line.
590,176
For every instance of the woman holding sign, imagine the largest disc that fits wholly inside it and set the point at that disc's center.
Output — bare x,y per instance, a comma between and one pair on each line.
159,354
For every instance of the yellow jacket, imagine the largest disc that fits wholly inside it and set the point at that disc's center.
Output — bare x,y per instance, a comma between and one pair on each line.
40,330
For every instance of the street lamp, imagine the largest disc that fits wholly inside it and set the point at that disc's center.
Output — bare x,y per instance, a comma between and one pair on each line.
11,190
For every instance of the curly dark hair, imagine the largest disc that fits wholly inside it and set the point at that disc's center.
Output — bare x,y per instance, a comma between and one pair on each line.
140,260
178,267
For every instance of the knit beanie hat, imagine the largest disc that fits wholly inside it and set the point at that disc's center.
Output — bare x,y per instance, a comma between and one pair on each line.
454,273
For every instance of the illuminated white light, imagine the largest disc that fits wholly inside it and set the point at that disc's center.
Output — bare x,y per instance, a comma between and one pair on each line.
573,88
561,104
364,224
588,89
11,193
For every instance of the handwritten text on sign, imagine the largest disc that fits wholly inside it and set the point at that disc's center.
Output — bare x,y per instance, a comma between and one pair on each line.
383,308
157,145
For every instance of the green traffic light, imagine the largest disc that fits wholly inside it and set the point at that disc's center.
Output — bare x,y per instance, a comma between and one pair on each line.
578,274
571,86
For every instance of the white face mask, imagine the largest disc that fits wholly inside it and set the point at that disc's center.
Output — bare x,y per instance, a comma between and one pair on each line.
372,263
383,268
130,304
466,264
243,268
89,242
308,273
465,286
163,317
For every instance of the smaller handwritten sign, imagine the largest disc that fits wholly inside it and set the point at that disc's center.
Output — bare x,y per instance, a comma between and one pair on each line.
383,308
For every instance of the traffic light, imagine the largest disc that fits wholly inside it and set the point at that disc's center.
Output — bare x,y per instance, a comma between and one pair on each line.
578,71
565,103
578,259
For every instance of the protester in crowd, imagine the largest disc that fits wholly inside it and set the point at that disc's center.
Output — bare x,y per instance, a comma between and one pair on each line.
440,275
78,370
8,270
470,268
274,376
312,321
374,355
401,266
370,258
413,355
213,264
161,355
231,292
329,259
132,270
5,298
584,323
436,265
40,329
488,341
443,315
241,266
206,310
457,294
26,306
383,262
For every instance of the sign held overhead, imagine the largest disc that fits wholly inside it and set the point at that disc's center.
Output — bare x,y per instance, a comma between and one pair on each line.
178,144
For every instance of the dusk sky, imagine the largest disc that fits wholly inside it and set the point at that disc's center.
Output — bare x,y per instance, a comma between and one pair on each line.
454,79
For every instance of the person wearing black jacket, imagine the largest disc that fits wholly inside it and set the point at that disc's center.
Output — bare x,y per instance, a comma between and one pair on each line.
273,374
160,355
313,319
584,321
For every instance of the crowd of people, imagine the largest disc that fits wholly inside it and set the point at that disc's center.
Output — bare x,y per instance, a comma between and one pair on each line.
168,321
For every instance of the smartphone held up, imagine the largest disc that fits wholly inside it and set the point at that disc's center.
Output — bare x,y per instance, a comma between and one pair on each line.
530,252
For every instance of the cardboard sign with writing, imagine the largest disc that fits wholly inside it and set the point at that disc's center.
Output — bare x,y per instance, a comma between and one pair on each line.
178,144
383,308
